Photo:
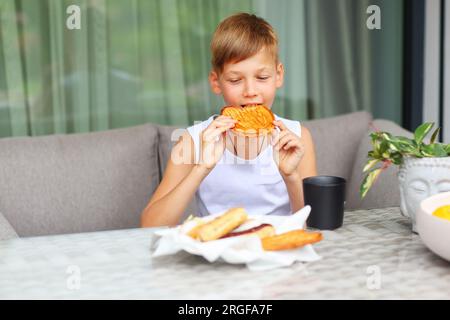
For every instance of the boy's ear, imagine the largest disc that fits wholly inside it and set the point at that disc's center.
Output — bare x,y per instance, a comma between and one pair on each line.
214,82
280,75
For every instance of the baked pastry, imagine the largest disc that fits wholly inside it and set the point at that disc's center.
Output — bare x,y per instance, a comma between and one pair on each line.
193,233
222,225
253,120
290,240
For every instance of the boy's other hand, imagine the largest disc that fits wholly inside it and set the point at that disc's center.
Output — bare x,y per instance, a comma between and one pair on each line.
288,150
213,141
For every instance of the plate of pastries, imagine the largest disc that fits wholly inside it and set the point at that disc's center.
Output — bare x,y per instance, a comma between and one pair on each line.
236,222
235,236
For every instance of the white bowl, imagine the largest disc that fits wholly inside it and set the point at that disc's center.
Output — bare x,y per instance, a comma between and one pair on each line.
434,231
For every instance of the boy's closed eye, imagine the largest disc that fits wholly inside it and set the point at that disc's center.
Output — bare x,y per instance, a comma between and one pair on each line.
263,78
234,80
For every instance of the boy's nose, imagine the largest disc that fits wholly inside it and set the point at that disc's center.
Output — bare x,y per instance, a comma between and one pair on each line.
249,90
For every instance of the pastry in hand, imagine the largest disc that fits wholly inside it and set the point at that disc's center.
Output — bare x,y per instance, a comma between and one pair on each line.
253,120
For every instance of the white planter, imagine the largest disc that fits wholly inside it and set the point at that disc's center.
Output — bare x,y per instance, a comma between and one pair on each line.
420,178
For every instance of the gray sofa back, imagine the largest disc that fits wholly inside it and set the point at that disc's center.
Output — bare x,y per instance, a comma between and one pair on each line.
336,141
103,180
78,182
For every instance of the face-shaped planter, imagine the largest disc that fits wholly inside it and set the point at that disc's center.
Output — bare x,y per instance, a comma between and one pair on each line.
420,178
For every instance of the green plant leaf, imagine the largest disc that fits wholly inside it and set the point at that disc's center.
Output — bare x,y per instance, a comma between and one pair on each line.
376,147
407,149
384,146
405,145
370,164
435,135
397,159
368,182
386,136
422,131
404,140
447,149
374,135
394,146
434,150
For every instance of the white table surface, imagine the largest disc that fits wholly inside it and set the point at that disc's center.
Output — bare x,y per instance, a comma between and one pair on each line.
373,256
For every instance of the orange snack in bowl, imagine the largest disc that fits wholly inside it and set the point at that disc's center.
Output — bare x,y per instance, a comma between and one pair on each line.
443,212
253,120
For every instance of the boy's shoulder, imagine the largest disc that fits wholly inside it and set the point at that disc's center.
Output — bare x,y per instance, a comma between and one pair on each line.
277,117
200,125
194,131
293,125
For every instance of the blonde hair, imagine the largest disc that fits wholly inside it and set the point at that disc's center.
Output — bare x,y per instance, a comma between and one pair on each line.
241,36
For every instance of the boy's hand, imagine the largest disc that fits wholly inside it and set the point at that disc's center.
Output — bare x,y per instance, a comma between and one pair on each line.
213,141
287,150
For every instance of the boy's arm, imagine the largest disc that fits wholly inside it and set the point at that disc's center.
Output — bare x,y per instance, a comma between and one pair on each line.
306,168
178,186
183,176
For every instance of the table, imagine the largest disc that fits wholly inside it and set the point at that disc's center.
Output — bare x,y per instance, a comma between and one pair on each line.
373,256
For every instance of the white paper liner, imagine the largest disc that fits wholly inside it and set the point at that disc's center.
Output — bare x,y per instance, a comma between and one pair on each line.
239,250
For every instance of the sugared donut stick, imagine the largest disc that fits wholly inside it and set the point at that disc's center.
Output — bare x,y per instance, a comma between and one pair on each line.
290,240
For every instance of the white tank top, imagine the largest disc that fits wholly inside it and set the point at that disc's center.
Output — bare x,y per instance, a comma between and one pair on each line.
254,184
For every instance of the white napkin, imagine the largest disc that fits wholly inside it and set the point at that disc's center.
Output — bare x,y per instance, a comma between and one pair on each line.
237,250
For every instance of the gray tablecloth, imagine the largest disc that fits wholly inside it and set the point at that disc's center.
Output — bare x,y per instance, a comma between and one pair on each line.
374,255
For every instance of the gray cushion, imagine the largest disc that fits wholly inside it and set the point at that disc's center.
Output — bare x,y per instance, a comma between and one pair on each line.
167,137
336,142
78,182
385,191
6,230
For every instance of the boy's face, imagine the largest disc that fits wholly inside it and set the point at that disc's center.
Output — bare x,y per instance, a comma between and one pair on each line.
250,81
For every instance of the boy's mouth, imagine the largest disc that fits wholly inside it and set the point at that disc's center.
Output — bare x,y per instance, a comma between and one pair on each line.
250,104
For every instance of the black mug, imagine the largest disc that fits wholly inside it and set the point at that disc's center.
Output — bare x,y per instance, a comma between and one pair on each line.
326,196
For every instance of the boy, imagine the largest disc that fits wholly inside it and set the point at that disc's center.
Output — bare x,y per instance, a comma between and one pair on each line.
245,71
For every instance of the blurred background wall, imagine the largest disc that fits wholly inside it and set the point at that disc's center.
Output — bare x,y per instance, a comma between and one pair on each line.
139,61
